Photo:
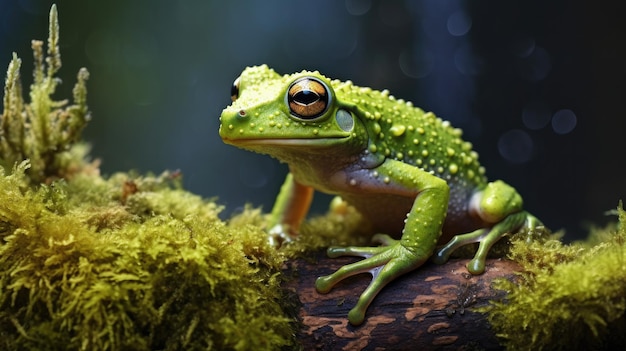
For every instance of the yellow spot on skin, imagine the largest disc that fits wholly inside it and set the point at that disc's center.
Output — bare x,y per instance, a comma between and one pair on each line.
470,174
399,156
315,131
230,126
453,168
420,130
386,180
397,130
450,151
416,141
425,153
376,128
261,129
373,148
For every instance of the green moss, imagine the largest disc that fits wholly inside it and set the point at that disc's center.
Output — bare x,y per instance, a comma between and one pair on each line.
568,296
135,262
42,130
126,262
145,277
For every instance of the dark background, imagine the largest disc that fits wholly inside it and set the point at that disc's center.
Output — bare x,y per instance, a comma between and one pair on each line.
538,87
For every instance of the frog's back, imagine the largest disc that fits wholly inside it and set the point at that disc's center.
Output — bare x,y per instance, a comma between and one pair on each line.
400,131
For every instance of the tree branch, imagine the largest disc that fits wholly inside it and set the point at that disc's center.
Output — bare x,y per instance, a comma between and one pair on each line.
430,308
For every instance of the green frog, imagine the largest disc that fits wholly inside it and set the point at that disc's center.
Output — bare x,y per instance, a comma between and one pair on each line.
405,170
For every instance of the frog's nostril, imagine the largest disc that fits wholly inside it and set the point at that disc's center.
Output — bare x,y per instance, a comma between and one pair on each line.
242,113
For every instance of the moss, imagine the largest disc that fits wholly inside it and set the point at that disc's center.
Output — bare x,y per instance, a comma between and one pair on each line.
567,296
135,262
43,130
154,277
126,262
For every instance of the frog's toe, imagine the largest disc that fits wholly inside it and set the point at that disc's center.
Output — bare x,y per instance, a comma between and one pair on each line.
365,252
279,235
441,256
486,238
325,283
476,266
381,276
356,316
362,251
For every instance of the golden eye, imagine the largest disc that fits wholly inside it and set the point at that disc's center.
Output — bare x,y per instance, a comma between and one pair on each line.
234,90
307,98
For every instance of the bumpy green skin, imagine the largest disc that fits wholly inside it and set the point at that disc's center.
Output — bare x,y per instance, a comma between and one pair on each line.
405,170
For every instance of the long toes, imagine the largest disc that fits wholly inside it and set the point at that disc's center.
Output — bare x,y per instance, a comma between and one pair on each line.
325,284
381,276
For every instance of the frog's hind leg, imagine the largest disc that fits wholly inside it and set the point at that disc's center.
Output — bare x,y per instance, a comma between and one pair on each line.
487,238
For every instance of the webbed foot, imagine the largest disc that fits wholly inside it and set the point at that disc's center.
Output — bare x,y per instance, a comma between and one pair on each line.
384,263
279,235
487,238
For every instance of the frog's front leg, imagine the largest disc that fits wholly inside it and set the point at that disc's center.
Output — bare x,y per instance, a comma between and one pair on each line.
500,207
290,209
396,257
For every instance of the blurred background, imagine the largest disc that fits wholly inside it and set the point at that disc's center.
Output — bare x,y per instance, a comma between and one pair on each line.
538,87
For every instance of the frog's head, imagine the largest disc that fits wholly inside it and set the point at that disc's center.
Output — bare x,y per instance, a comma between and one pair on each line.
297,113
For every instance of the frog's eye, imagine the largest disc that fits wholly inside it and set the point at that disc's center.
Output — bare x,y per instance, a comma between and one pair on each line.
234,90
307,98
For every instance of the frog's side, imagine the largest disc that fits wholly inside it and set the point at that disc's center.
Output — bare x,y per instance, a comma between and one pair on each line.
405,170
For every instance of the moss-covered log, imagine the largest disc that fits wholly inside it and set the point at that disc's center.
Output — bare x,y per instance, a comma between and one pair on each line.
431,308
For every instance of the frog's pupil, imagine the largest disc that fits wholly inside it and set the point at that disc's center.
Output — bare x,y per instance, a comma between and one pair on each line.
306,97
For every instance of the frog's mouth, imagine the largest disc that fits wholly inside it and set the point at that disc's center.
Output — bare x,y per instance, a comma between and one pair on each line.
295,142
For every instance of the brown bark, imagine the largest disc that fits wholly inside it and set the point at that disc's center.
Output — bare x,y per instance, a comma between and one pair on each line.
432,308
